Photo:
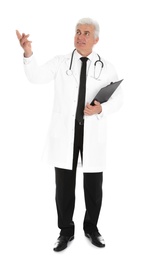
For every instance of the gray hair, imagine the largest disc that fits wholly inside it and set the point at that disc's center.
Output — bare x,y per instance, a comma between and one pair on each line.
90,21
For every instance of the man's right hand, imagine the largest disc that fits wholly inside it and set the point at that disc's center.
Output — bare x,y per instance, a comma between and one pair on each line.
25,43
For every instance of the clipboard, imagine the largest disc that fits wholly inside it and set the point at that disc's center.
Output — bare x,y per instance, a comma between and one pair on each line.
106,92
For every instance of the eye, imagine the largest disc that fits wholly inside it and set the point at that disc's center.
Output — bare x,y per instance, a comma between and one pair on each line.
87,33
78,32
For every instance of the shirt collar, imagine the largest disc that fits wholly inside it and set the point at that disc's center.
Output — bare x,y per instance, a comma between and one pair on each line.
78,56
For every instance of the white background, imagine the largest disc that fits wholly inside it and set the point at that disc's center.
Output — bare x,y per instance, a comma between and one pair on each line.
28,220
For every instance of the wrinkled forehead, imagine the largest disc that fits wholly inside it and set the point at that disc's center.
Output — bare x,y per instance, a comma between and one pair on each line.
85,28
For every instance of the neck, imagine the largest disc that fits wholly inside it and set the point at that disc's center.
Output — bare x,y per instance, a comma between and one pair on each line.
84,53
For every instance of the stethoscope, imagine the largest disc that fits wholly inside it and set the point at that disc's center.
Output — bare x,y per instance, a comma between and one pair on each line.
69,71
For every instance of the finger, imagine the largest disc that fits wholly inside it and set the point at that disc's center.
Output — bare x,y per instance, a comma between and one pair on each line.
97,103
87,111
24,39
89,106
25,36
19,36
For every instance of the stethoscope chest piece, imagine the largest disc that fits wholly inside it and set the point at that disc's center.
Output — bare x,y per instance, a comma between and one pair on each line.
69,72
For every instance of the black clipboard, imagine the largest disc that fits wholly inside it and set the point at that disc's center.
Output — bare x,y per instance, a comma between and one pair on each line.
106,92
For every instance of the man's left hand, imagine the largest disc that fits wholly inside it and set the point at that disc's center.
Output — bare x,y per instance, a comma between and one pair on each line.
92,110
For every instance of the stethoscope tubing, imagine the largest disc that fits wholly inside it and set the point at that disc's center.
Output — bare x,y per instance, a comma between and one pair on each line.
69,71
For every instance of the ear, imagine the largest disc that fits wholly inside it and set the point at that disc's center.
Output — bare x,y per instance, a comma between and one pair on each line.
96,40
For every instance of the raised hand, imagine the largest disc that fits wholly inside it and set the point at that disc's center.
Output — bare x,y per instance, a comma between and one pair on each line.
25,43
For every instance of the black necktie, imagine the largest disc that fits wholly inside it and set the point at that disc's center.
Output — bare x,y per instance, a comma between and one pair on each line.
82,88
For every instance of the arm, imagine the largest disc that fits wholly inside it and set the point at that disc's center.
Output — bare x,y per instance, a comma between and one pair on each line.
35,73
115,101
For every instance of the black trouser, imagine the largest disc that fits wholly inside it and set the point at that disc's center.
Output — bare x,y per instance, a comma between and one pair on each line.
65,192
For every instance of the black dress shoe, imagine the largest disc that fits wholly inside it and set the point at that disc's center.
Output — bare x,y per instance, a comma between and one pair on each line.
62,242
96,239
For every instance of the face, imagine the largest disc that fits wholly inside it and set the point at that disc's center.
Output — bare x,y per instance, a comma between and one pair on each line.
84,39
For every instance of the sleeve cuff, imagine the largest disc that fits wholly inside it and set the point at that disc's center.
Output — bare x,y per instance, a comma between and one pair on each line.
26,61
99,116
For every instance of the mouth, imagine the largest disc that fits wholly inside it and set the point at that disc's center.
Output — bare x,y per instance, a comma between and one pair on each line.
80,43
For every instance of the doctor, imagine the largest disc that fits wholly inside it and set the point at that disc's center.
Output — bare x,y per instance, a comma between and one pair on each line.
70,135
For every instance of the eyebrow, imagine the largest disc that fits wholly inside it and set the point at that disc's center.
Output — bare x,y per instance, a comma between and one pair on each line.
78,30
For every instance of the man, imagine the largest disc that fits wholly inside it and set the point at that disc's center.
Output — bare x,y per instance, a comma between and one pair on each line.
77,127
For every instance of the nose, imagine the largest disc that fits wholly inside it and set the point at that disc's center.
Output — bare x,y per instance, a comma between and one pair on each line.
81,36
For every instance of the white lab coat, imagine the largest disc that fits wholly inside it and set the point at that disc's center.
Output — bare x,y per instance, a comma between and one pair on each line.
58,149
